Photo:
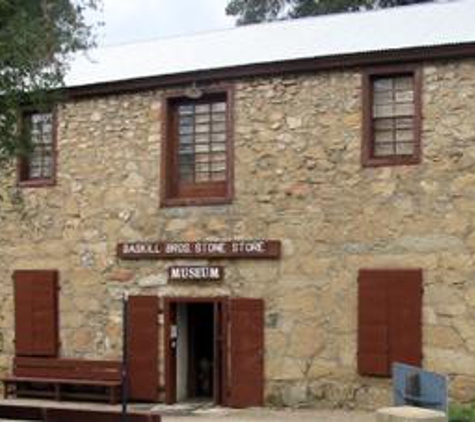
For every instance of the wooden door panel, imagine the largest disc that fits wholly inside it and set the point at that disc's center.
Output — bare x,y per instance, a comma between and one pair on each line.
373,333
245,353
142,347
405,317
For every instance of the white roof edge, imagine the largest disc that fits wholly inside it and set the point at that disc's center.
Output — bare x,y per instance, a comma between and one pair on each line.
421,25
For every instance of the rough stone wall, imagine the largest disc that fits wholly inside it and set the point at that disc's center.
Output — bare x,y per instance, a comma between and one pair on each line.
298,178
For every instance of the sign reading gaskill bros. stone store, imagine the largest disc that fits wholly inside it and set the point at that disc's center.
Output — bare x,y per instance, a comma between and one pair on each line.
269,249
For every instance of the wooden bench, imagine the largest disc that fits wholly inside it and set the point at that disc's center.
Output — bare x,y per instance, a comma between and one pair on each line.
64,378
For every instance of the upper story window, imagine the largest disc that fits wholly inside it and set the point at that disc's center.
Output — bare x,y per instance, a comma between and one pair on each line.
392,117
197,150
37,168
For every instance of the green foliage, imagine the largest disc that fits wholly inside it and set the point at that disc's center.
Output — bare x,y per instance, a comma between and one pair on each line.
462,413
36,38
255,11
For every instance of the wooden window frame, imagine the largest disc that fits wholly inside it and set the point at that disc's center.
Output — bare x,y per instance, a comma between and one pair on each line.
22,162
367,157
168,195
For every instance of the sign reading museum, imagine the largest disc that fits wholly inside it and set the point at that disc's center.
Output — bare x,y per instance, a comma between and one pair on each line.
206,249
196,273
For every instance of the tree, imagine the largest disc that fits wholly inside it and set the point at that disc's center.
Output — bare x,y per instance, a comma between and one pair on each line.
255,11
36,39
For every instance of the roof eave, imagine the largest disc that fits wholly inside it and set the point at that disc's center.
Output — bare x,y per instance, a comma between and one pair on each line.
342,61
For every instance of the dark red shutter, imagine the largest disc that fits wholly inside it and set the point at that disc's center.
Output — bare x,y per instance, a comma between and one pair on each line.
373,333
405,316
245,349
143,347
36,313
389,319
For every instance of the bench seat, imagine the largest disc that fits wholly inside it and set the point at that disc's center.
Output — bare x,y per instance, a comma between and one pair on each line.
64,378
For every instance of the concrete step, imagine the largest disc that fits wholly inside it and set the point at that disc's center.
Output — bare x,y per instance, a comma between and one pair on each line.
409,414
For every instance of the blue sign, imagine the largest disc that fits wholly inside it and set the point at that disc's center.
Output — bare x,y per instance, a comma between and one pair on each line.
412,386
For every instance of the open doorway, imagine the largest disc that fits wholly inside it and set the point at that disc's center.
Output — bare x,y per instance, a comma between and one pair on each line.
193,356
214,349
195,352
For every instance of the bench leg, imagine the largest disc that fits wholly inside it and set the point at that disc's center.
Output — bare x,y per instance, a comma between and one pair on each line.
113,396
5,390
57,392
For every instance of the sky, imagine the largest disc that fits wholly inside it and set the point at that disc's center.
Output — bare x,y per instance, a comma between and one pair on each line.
126,21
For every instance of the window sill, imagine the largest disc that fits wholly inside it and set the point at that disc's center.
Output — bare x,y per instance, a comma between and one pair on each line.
38,183
195,202
391,161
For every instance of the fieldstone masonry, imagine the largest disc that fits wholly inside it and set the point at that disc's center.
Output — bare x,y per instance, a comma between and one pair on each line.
298,178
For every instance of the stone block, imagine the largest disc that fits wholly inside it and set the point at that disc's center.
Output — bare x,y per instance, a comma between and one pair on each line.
409,414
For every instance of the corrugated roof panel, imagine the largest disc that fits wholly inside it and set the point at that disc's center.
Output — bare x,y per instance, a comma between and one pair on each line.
317,37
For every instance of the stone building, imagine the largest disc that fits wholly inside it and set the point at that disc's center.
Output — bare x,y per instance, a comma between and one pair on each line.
290,208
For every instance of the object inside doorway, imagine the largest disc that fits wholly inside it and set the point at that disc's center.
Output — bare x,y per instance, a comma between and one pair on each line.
195,351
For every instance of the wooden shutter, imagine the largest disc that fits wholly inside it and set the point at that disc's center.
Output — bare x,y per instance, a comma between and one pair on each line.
373,333
389,319
405,316
142,347
245,350
36,313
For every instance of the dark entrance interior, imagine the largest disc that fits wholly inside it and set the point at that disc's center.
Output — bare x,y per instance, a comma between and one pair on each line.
195,345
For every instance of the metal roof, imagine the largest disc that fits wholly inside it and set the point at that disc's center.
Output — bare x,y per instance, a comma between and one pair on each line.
427,25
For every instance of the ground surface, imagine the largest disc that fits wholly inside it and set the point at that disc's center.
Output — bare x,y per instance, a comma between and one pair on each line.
261,415
204,413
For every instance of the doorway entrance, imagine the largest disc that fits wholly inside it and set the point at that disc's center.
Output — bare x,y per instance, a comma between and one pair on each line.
193,369
214,350
195,339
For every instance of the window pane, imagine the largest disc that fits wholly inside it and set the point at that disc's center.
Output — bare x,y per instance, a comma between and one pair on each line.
393,111
383,136
383,84
185,139
39,129
202,128
186,130
404,123
404,135
202,152
403,83
187,121
219,127
218,137
202,147
202,108
202,138
384,124
185,109
383,110
383,97
202,118
404,109
219,107
383,150
219,117
186,149
404,96
405,148
218,147
219,166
